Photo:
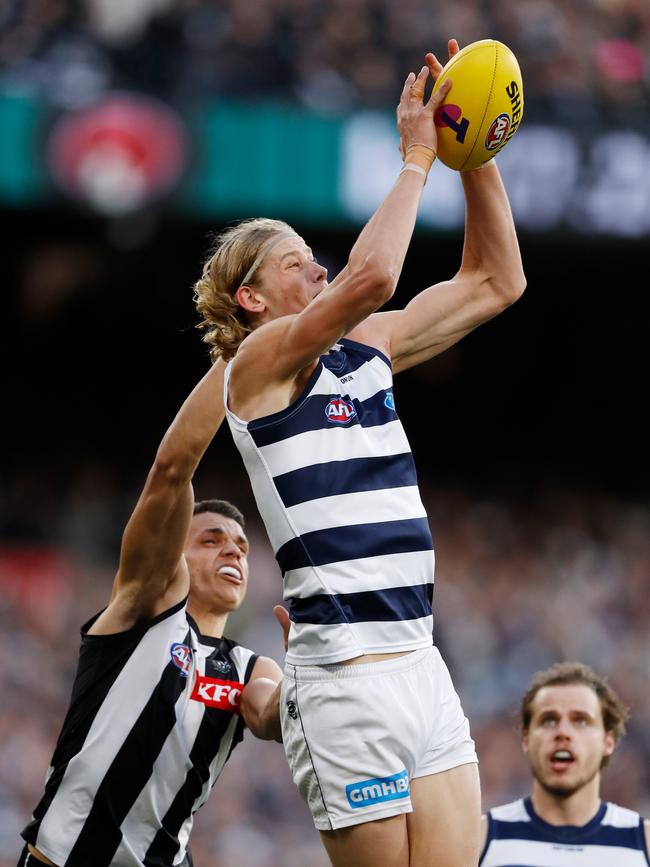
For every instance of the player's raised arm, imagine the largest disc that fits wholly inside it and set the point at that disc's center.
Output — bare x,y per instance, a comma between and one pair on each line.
152,574
385,239
489,279
388,232
366,282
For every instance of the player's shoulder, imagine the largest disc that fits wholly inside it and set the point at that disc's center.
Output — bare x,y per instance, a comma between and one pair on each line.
514,811
372,336
243,659
621,817
256,346
502,822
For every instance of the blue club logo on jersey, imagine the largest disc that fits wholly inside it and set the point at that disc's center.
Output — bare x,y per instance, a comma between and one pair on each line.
367,792
181,656
340,411
389,400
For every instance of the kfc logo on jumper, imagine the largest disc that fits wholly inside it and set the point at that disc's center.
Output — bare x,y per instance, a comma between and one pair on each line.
181,656
224,694
340,411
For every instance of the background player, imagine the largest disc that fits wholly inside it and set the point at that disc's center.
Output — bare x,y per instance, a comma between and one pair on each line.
571,721
154,713
335,484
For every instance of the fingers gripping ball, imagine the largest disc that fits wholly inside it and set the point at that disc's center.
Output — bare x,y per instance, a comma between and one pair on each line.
484,107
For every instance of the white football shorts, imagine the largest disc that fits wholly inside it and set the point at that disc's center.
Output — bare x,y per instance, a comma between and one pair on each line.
356,735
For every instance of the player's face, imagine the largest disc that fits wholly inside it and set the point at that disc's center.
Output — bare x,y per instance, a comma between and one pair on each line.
290,277
217,557
566,741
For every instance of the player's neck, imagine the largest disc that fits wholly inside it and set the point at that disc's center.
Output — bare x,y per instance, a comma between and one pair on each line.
209,623
577,809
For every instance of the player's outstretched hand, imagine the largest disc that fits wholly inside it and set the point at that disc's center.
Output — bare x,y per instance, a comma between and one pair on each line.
282,616
414,116
432,62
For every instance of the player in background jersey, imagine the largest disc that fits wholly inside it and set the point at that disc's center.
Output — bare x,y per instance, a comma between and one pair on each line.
160,698
571,722
374,733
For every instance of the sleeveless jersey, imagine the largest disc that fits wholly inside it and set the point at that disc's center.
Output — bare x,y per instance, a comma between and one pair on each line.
336,486
152,721
517,837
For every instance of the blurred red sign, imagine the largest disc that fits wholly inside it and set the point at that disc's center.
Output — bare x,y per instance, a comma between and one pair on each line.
120,154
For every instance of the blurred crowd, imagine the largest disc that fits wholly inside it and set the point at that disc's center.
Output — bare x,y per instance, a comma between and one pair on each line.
582,60
519,586
520,583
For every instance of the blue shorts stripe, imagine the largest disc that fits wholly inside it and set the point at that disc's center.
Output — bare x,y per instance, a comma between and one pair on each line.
392,604
355,542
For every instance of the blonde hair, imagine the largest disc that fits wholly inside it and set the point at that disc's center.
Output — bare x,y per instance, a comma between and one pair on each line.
235,258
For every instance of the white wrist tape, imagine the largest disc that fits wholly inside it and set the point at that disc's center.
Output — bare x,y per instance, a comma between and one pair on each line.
412,167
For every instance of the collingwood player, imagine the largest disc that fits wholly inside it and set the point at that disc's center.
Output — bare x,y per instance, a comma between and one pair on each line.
571,722
377,741
160,697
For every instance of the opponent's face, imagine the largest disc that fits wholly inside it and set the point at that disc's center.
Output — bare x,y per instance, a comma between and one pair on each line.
566,740
217,557
290,278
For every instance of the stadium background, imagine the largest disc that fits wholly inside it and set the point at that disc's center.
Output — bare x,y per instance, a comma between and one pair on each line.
529,436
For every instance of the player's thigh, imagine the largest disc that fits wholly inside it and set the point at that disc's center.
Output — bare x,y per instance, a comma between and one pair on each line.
382,843
444,827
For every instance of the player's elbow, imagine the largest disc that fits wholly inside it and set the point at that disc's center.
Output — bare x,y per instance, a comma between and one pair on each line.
172,469
376,280
510,287
504,287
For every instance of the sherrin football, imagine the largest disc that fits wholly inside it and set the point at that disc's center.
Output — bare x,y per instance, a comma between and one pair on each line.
484,106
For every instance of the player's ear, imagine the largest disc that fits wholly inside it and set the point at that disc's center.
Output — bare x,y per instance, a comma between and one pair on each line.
610,744
250,300
524,741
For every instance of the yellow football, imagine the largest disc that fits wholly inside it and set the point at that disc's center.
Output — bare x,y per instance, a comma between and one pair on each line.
484,106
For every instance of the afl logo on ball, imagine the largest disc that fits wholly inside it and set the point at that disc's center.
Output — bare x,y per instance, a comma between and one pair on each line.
340,411
496,134
181,657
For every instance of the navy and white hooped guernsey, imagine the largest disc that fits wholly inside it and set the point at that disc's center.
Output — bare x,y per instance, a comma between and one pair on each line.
335,484
517,837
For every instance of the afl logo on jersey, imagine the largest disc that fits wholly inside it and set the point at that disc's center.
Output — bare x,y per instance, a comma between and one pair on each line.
340,411
181,657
